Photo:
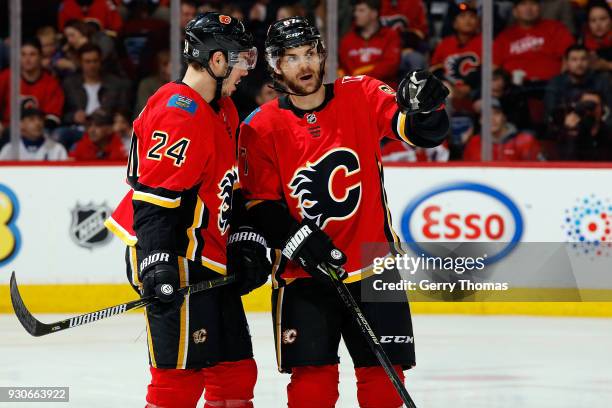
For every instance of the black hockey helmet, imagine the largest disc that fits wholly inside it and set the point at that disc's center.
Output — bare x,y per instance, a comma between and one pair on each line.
212,31
290,33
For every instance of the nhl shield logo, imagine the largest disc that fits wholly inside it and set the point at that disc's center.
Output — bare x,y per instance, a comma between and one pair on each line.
87,228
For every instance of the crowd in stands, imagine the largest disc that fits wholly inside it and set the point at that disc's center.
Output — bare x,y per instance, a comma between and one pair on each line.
88,68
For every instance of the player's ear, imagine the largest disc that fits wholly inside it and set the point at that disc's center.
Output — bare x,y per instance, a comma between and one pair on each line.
218,62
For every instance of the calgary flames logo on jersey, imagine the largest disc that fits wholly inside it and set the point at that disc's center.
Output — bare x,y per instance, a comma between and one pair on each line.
328,189
459,66
226,187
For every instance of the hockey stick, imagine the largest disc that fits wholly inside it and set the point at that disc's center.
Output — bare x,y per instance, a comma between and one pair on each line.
368,333
37,328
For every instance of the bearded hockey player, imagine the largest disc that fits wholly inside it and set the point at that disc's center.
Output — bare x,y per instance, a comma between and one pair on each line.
176,220
310,167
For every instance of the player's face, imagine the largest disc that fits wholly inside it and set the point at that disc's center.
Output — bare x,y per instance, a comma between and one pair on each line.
578,62
301,69
527,11
599,22
230,83
30,58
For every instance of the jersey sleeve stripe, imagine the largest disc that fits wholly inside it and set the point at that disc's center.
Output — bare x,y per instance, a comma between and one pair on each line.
114,227
134,267
192,231
214,266
156,200
253,203
400,129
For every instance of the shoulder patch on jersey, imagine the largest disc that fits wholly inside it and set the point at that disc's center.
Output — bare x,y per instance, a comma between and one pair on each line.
386,89
248,119
182,102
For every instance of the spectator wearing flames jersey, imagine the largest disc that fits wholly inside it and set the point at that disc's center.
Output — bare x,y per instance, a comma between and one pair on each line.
458,56
370,48
104,13
39,89
404,15
531,49
509,144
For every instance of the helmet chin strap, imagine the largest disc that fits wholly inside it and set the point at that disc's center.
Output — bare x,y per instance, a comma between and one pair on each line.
219,80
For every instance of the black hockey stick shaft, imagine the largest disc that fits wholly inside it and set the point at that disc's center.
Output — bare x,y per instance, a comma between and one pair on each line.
370,336
37,328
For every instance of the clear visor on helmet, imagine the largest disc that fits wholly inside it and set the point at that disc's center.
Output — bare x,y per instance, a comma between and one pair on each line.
245,59
292,58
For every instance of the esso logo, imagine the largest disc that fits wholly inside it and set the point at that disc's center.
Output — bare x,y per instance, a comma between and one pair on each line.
463,212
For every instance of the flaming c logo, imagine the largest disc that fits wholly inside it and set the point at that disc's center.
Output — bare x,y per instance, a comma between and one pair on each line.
328,189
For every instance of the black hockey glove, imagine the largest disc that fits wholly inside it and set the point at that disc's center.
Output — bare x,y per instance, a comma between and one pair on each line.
159,276
247,258
314,250
420,92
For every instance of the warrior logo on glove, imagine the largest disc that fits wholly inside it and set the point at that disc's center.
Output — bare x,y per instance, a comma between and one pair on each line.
330,188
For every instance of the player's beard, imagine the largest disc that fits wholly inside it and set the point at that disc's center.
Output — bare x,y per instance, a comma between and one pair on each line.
295,87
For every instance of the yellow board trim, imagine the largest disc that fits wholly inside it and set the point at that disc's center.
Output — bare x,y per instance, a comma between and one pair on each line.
86,298
156,200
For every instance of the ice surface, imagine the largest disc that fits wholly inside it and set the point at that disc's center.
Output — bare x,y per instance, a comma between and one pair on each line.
462,361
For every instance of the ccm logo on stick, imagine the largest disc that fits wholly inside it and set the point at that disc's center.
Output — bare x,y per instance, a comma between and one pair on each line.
463,212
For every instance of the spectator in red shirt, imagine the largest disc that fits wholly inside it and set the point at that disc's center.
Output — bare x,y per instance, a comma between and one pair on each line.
409,19
100,142
531,49
370,49
598,35
458,56
39,89
405,15
509,144
104,13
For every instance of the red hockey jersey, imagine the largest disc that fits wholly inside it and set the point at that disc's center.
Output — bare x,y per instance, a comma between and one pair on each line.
538,50
326,165
45,94
378,56
183,158
457,60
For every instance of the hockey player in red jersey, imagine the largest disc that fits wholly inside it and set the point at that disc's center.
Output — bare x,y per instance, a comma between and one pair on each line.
310,167
176,220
